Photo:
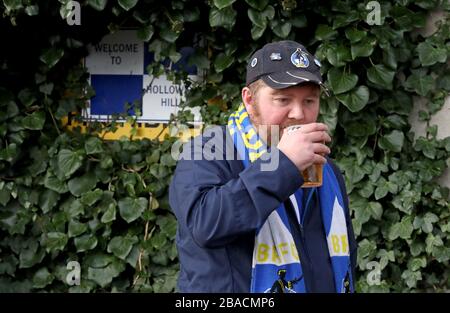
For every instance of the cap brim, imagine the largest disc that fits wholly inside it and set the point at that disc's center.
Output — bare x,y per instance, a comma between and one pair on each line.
287,79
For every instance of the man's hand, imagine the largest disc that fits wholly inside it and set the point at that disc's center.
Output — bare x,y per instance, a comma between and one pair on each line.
305,146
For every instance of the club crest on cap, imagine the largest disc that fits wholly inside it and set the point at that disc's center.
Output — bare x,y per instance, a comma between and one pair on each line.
299,58
254,61
275,56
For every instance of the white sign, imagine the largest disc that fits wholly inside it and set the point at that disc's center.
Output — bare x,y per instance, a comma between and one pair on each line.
117,66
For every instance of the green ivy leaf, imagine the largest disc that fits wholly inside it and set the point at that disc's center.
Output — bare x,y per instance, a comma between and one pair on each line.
427,222
363,48
169,35
191,14
361,127
395,121
420,82
48,199
325,32
382,190
361,208
417,263
76,228
85,243
72,207
9,153
221,4
12,109
93,145
90,197
12,5
432,241
132,208
356,99
340,81
338,55
34,121
109,215
367,189
366,248
5,195
158,240
280,29
127,4
392,141
342,20
168,226
80,185
32,10
53,183
257,18
168,160
376,210
202,62
54,241
426,146
299,21
47,88
145,33
222,62
257,32
103,276
31,255
27,97
411,277
402,229
352,170
42,278
99,5
121,246
354,35
381,76
429,55
385,257
69,161
257,4
52,56
222,18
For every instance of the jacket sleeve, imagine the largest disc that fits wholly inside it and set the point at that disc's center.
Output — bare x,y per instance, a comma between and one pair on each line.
217,204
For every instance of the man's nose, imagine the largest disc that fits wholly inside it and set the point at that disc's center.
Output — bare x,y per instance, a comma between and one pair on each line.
296,112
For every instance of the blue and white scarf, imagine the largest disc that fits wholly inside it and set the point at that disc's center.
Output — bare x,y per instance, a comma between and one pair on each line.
275,250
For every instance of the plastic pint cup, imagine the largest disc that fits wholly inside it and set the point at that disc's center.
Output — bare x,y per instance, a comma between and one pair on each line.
312,176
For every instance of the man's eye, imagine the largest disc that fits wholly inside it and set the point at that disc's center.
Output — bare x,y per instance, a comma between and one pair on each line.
282,100
310,101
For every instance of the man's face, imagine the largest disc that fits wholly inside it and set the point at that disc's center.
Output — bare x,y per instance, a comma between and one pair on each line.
282,107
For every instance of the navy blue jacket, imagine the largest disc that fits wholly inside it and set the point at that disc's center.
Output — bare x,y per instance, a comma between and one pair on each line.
219,204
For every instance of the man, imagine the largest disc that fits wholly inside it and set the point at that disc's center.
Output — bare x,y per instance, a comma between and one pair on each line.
240,223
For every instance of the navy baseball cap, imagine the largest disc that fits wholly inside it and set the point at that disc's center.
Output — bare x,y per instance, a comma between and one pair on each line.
284,64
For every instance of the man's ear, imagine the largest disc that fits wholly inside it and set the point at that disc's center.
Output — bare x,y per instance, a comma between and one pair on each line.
248,99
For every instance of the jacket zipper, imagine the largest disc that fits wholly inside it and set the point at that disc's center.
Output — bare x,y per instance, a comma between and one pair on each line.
302,232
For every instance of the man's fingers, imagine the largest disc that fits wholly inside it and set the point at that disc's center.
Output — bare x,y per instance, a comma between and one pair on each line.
321,148
318,136
318,159
313,127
